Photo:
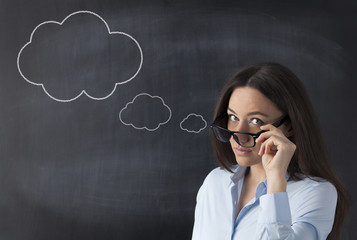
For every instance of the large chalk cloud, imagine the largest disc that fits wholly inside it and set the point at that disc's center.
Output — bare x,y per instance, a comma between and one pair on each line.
79,56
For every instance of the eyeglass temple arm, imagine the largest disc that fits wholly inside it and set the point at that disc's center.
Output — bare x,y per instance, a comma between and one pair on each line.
280,122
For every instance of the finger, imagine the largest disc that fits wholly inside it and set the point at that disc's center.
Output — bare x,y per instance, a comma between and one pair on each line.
270,146
261,150
266,146
264,149
268,127
265,135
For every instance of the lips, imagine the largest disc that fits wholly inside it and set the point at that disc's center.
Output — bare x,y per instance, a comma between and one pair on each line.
242,151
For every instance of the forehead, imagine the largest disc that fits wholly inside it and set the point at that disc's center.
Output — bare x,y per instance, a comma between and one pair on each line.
245,100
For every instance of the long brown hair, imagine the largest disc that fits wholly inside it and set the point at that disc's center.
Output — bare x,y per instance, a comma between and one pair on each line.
287,92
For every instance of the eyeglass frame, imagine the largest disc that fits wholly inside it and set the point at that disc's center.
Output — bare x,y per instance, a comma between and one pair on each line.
254,135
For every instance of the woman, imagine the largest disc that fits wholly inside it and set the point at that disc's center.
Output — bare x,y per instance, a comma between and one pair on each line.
275,180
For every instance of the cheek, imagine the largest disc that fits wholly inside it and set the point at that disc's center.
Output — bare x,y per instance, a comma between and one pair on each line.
233,143
256,148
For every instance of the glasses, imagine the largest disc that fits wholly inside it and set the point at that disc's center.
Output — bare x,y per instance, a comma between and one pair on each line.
244,139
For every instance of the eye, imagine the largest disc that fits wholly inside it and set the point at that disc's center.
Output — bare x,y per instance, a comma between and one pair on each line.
257,121
233,118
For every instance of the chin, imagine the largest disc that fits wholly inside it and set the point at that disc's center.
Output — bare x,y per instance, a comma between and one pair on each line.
247,161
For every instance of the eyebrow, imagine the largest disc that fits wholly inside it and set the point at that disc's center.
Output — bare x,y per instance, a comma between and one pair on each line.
251,113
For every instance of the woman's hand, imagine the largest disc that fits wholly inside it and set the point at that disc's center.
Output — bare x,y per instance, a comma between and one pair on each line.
276,151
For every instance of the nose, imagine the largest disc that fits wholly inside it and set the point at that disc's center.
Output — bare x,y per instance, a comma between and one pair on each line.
241,139
244,140
242,126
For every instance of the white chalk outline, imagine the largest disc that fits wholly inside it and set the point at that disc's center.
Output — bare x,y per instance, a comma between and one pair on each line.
83,91
140,128
196,115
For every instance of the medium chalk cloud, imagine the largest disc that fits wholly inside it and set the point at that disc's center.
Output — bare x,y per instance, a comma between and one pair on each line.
193,123
145,112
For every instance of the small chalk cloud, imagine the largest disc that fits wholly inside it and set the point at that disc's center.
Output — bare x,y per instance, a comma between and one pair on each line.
145,112
79,56
193,123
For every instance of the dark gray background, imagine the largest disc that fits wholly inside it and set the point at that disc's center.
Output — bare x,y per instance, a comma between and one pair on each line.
74,171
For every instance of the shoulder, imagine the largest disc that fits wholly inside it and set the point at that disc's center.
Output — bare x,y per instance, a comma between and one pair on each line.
313,200
217,180
312,185
312,197
218,175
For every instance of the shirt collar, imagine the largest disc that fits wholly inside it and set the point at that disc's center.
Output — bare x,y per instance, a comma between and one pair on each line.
239,172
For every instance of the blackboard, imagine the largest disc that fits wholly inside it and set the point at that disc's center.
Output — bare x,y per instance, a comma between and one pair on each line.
105,105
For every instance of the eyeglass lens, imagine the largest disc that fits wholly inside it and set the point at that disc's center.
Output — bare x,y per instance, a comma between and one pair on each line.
242,139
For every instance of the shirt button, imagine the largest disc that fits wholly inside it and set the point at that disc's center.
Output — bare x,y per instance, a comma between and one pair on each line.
235,202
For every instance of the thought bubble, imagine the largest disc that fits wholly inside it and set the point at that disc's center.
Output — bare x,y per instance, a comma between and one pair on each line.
79,56
145,112
193,123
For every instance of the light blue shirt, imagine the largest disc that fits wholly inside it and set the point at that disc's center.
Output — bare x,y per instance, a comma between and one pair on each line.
306,211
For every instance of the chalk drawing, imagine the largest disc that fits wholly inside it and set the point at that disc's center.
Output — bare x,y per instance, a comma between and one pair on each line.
145,97
194,117
83,92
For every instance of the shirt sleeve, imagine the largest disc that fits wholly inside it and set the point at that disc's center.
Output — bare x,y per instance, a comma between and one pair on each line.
312,218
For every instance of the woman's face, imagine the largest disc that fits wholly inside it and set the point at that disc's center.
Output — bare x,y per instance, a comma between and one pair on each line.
248,109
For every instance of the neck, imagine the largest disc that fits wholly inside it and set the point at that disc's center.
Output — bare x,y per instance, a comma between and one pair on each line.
256,173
